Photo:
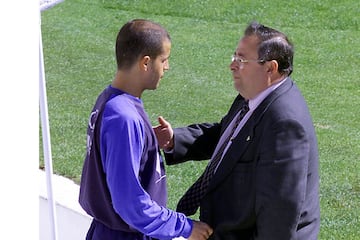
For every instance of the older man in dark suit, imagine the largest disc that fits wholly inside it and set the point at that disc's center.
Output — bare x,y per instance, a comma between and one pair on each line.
262,180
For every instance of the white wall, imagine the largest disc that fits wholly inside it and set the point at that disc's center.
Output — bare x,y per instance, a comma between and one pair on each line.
19,84
72,221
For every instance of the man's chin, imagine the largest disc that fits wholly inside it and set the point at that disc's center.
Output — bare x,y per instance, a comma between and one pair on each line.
236,87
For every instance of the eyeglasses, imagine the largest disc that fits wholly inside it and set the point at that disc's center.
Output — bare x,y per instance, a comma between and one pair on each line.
241,61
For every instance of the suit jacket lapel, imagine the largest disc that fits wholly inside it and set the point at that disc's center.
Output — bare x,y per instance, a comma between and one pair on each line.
245,136
234,109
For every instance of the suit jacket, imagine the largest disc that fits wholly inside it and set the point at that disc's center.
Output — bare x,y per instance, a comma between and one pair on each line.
266,186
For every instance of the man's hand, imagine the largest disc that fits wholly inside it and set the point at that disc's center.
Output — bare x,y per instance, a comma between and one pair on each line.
164,134
200,231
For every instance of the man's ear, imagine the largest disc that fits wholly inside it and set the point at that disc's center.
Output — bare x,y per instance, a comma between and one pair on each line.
144,63
272,66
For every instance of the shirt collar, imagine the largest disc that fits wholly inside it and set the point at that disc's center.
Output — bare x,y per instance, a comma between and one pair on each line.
255,102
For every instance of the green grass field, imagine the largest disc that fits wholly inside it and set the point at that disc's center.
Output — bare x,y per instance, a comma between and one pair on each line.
78,40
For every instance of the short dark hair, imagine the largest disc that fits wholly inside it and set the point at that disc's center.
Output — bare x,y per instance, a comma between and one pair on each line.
273,45
138,38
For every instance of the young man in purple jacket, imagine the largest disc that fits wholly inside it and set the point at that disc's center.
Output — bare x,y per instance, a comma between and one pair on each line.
123,183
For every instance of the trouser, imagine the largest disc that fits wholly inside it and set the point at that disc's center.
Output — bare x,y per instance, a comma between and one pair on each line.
99,231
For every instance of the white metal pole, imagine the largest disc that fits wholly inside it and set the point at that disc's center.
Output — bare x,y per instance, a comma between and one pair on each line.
46,141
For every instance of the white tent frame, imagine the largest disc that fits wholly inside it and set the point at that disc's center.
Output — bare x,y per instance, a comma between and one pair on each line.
47,144
45,126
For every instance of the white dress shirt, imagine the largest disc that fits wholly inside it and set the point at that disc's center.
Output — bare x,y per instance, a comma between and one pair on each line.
253,104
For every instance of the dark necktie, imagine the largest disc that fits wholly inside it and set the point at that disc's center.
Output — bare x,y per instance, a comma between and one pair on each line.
190,202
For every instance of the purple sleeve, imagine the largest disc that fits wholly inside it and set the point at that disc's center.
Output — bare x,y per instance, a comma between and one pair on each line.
121,151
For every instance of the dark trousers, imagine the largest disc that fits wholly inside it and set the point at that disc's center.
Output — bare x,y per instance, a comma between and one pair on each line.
99,231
